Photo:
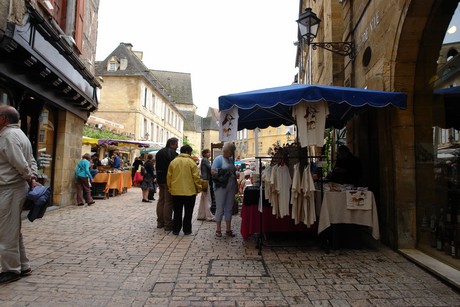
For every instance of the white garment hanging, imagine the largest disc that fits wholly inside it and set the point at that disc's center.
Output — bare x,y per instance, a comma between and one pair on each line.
273,193
308,187
266,173
283,188
311,122
296,194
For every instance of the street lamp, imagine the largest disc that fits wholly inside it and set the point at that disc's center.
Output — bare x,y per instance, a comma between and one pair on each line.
308,27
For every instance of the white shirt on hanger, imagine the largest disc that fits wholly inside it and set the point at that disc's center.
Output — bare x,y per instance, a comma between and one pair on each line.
311,122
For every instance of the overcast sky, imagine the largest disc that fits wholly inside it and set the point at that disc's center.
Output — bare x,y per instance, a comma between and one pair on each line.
453,32
227,46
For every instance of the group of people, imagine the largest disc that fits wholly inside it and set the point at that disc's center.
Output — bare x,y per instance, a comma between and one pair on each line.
180,180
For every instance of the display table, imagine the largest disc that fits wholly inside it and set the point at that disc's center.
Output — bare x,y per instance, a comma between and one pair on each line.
334,211
250,217
118,182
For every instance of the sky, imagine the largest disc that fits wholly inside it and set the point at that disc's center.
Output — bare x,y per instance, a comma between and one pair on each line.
453,31
227,46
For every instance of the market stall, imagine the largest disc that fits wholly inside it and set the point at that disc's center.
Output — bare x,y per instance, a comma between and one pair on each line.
320,106
109,181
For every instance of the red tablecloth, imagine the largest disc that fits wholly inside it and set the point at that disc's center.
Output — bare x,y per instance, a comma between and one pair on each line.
250,222
250,219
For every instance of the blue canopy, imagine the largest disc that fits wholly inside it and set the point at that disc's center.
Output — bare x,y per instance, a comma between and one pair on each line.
273,106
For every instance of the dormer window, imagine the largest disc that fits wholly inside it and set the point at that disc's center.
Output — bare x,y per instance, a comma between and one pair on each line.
113,64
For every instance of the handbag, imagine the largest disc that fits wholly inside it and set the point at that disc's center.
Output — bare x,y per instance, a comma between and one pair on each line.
138,178
41,197
204,185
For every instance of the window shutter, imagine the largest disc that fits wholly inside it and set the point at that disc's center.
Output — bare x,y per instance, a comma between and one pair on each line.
79,24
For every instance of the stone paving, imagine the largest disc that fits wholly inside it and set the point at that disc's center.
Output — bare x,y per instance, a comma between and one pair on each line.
111,254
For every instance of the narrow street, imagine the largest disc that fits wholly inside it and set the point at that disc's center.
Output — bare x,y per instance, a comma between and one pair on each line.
112,254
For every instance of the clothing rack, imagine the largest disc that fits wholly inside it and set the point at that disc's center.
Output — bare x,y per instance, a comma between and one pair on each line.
259,242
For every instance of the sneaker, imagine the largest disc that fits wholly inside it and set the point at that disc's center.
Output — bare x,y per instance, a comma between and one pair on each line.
187,233
27,272
160,226
176,233
90,203
7,277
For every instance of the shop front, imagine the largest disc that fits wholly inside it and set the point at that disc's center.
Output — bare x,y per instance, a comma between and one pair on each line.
45,80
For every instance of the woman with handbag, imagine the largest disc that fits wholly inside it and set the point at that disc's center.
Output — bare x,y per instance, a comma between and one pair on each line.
204,209
223,172
148,178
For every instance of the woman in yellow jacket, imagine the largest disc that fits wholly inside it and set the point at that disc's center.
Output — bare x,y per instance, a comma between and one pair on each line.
184,183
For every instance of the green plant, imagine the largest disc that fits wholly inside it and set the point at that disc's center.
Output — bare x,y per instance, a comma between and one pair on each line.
102,134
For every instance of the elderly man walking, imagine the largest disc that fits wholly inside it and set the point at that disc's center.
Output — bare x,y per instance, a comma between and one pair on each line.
18,171
165,203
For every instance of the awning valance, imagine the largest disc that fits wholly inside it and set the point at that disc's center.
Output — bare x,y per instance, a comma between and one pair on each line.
273,106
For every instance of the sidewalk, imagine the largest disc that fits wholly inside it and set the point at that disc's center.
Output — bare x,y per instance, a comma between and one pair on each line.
112,254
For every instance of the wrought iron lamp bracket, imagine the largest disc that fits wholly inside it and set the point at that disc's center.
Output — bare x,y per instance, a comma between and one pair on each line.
341,48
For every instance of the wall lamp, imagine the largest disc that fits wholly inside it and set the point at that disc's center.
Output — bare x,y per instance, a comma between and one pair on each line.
308,27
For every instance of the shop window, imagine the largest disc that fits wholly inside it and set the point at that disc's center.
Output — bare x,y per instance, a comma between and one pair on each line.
4,97
45,146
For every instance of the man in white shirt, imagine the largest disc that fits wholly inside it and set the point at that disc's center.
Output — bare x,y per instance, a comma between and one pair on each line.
105,161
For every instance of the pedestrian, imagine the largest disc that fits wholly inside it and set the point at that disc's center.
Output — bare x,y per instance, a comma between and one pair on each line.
105,161
135,167
149,177
18,172
223,173
115,161
184,184
204,209
165,204
94,164
84,178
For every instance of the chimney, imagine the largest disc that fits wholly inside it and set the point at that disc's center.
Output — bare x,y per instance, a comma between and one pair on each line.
128,45
123,63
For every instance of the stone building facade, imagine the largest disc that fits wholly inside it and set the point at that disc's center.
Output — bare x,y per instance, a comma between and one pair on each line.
133,97
47,56
396,48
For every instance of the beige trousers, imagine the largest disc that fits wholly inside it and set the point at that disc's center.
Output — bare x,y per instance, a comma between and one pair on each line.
12,251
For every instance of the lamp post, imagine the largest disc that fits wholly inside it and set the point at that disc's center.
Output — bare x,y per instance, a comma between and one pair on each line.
308,27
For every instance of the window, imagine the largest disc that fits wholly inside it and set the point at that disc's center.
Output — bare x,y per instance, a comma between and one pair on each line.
79,24
58,11
145,98
112,66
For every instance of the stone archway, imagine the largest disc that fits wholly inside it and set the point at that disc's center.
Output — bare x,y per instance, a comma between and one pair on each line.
421,32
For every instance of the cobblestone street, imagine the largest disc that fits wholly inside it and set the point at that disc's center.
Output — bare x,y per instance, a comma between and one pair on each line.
112,254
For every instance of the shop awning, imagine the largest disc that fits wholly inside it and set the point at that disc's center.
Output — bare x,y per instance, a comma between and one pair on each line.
89,141
273,106
122,143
